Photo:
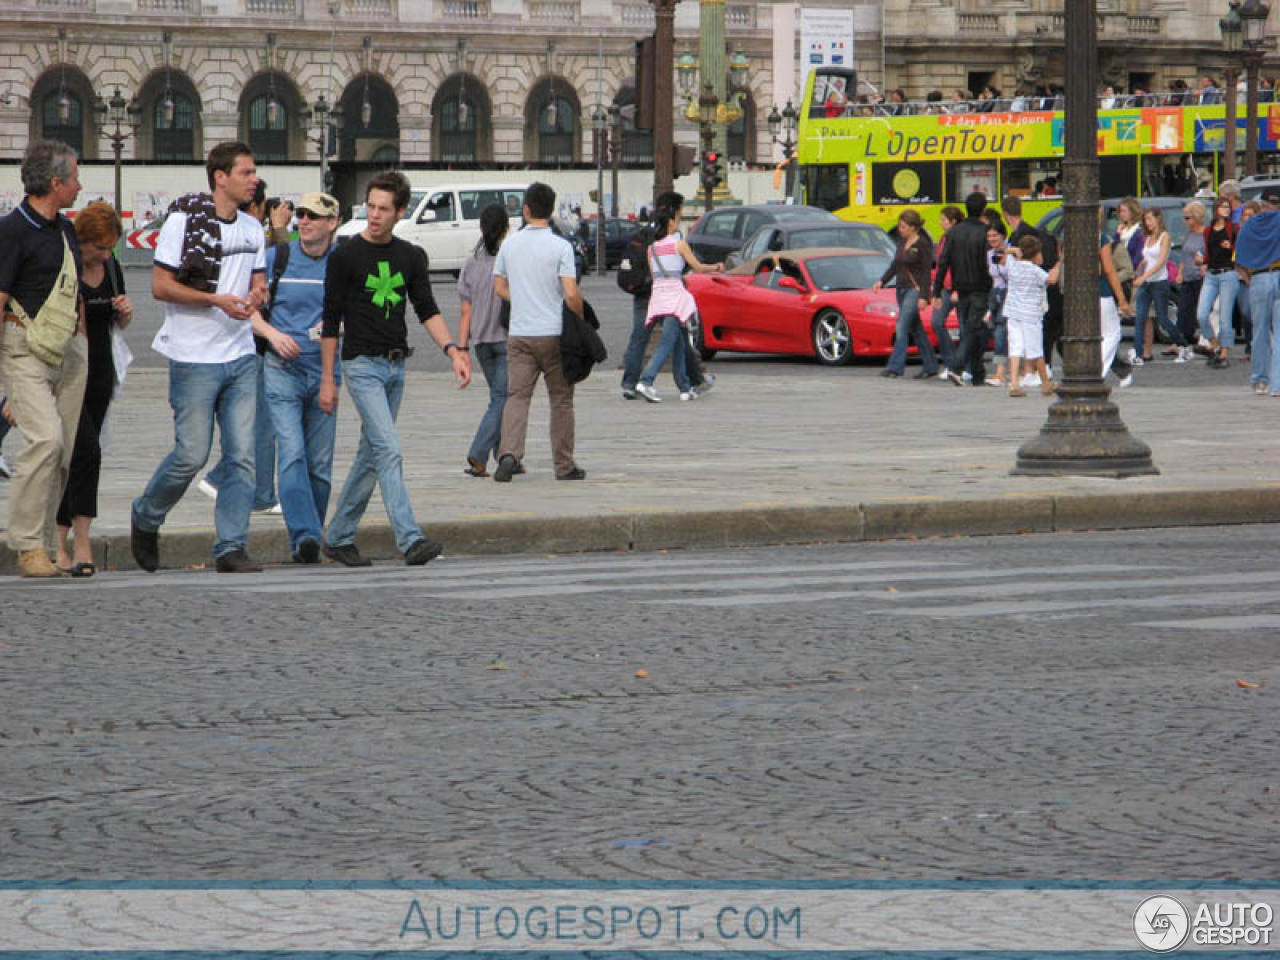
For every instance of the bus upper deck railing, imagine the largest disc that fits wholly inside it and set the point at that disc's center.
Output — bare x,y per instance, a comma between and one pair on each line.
1024,104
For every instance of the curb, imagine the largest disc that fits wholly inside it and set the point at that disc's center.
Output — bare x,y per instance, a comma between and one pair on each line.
765,526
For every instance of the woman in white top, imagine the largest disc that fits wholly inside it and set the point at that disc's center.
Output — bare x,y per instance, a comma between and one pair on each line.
670,302
1151,279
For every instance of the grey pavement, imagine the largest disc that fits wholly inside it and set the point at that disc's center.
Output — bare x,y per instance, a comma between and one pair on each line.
782,450
1028,707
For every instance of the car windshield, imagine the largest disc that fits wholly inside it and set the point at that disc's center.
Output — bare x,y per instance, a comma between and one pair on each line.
415,198
848,272
871,239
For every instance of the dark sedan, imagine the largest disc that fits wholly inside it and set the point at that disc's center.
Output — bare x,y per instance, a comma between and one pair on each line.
722,232
618,232
804,235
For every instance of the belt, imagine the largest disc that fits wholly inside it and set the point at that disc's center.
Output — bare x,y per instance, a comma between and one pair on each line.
1268,269
1229,270
394,354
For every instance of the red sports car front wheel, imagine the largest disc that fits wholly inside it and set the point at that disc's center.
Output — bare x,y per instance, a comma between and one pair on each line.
832,340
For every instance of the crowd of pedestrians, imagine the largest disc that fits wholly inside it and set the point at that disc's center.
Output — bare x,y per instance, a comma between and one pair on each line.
321,315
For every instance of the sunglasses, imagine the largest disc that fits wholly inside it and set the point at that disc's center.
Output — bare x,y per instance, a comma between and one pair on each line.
308,215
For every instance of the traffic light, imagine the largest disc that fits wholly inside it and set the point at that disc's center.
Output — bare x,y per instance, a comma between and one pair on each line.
682,159
712,170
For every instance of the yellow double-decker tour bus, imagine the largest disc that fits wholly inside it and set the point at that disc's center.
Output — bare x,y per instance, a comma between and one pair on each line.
866,165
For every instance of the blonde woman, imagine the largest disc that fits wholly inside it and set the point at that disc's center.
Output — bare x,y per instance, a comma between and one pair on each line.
1151,281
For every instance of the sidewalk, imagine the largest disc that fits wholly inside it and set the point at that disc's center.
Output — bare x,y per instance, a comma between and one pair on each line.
770,457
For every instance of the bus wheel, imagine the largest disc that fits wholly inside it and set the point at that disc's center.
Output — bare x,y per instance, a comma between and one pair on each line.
832,341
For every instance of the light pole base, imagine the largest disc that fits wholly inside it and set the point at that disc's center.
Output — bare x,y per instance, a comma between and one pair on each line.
1084,436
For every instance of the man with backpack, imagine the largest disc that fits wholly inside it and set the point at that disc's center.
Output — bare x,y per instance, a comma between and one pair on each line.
634,278
292,370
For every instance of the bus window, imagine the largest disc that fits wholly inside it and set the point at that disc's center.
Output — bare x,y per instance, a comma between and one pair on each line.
1167,175
970,176
1118,176
826,185
899,183
1031,179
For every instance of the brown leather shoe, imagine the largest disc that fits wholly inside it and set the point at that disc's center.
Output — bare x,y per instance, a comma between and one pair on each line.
36,563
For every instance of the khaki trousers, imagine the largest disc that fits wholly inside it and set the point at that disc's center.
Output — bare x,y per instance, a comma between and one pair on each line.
526,358
46,404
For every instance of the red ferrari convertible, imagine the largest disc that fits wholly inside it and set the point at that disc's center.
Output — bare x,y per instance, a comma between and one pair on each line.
816,302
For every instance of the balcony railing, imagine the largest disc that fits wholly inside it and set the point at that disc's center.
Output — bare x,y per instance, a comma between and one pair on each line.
740,15
554,11
384,8
637,14
271,6
978,22
1146,26
66,4
464,9
169,6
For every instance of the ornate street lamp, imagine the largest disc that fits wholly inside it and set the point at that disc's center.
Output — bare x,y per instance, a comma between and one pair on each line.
1232,29
1253,14
615,152
600,127
782,128
125,116
327,120
1084,434
687,72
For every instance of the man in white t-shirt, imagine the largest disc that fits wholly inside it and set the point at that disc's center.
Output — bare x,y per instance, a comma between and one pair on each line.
210,272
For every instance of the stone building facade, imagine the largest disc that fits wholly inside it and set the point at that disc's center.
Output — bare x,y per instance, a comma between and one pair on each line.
497,82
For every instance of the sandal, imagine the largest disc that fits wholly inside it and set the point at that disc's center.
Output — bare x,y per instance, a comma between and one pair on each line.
83,570
475,468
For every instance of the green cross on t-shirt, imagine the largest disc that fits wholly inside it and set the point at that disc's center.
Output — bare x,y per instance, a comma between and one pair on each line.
384,286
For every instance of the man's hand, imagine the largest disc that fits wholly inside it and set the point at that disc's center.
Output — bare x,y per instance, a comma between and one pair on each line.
237,308
281,214
283,344
328,397
7,412
461,361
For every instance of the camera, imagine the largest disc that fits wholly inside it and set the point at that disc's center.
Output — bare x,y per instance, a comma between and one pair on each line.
274,202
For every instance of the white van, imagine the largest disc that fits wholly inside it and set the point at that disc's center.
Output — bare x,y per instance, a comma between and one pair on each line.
445,221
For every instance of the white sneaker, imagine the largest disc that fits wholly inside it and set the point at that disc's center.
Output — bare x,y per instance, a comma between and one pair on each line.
1031,380
207,488
5,472
1125,382
708,381
275,511
966,376
1184,354
688,395
1134,359
646,391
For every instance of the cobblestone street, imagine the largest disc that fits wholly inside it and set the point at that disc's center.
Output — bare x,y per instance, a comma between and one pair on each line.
1030,707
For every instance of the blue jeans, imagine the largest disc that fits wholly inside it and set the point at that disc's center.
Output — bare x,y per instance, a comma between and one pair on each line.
1223,287
376,385
305,435
938,320
264,452
200,394
673,344
634,358
1264,358
910,327
492,358
1156,291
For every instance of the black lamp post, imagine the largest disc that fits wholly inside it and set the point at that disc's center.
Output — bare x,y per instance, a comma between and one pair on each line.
1254,15
328,123
1084,434
615,152
600,126
1232,29
124,116
784,123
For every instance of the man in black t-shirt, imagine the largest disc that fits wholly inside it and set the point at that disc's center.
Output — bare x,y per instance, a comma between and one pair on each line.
39,284
368,284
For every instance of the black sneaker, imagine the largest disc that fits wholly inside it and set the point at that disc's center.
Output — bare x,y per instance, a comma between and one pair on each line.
890,374
146,547
506,468
424,551
577,473
308,552
347,555
236,561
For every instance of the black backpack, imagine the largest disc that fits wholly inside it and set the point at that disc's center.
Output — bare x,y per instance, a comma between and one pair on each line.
633,271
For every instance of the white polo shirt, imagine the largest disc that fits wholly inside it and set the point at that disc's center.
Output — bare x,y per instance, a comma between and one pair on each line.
193,334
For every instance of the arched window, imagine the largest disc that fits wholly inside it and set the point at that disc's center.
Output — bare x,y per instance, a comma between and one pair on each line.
268,130
458,129
637,145
173,115
557,126
61,119
388,155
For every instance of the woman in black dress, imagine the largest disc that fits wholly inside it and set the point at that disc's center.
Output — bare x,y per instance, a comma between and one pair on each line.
98,229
